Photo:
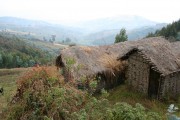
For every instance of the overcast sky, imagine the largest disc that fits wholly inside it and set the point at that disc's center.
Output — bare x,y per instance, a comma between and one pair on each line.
79,10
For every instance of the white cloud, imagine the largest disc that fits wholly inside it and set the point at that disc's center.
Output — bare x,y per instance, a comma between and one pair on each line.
76,10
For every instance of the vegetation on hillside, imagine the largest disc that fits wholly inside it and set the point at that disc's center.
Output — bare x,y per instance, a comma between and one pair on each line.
42,94
15,52
171,31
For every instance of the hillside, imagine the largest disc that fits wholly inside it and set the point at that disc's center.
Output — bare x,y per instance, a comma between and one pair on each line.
37,29
17,52
171,31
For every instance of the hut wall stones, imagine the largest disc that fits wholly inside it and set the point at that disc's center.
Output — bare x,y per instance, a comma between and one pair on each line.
138,73
170,86
144,79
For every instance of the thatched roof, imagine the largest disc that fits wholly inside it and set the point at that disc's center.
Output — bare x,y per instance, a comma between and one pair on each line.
176,47
162,55
90,59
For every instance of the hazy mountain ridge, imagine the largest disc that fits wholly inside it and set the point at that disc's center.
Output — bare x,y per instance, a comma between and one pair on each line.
22,22
117,22
39,29
94,32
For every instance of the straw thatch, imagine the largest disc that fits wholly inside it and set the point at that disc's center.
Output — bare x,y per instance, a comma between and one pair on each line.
176,48
89,61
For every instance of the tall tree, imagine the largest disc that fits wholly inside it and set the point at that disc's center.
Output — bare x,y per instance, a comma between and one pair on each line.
121,37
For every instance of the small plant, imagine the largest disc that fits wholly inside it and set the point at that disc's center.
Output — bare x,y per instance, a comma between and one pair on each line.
79,67
93,85
70,62
104,93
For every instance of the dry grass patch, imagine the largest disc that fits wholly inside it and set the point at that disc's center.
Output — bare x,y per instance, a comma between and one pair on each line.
111,63
86,49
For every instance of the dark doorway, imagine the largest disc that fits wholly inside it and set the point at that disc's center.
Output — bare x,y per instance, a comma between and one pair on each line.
109,81
153,84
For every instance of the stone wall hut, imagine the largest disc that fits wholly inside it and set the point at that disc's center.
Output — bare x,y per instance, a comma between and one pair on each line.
154,68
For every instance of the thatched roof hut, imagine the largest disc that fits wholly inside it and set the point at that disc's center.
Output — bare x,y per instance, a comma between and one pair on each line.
154,68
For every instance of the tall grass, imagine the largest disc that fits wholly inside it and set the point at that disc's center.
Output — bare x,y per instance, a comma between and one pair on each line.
125,94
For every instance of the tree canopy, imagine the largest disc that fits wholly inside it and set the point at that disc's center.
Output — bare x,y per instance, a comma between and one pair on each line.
122,36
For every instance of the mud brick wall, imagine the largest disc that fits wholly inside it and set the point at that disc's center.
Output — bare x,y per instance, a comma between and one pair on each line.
138,73
170,85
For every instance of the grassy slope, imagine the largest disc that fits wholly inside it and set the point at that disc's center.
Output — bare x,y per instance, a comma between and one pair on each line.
8,79
123,94
53,49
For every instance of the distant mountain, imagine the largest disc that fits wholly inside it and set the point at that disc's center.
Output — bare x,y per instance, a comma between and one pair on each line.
117,22
22,22
38,29
108,36
94,32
